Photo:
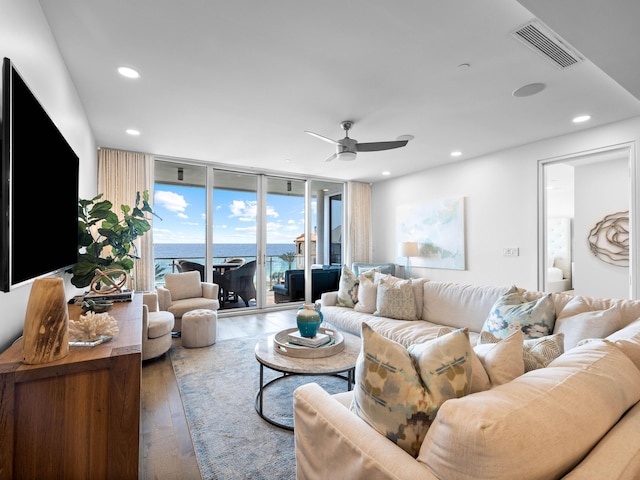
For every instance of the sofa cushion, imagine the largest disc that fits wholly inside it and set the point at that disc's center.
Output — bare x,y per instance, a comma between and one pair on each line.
391,396
395,299
540,425
501,358
183,285
628,341
512,311
578,320
348,288
458,305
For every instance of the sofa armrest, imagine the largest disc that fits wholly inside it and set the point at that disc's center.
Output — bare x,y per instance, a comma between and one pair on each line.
328,436
210,290
164,298
150,299
329,299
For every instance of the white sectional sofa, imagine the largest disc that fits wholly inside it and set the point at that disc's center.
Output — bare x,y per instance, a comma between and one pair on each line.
576,418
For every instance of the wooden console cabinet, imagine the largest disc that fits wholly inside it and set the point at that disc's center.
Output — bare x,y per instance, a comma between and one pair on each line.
77,417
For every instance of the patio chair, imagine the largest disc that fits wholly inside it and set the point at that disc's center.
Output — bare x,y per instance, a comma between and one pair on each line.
239,281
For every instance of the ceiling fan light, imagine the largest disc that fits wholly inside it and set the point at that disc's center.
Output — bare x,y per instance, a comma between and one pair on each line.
347,156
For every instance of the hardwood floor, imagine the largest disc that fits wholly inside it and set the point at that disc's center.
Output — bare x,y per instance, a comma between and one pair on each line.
166,447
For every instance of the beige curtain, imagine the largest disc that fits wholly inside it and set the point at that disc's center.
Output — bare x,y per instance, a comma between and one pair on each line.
120,175
359,231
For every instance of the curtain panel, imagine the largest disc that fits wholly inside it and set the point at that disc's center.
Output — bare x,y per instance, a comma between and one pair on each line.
359,230
120,175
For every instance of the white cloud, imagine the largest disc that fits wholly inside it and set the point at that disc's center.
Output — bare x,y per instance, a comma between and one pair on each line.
170,200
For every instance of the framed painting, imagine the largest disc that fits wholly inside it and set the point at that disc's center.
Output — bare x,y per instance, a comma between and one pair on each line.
437,227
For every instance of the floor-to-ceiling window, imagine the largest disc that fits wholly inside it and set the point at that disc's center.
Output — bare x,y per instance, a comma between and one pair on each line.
244,225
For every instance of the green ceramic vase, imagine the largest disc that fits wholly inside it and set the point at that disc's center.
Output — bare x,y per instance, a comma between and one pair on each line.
308,320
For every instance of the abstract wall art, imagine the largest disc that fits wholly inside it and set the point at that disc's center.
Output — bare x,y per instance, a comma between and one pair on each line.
437,226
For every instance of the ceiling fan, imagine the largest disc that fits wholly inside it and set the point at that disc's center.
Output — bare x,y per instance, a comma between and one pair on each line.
346,148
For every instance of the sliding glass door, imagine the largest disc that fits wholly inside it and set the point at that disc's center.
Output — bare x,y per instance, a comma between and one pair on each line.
246,231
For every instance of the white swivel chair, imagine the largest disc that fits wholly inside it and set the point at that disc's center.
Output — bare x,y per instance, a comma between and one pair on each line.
156,327
183,292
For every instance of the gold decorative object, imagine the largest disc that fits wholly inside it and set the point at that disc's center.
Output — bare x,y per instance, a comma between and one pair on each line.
109,281
92,326
609,239
46,321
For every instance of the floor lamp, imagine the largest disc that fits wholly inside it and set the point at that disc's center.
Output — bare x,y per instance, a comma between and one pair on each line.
408,250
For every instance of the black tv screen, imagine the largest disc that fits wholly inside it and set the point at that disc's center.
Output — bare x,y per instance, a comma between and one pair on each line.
39,188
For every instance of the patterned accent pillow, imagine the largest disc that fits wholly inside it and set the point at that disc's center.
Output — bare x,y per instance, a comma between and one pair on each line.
395,299
540,352
502,358
348,288
445,365
391,396
512,311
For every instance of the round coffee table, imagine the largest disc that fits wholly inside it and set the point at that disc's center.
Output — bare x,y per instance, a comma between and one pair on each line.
340,365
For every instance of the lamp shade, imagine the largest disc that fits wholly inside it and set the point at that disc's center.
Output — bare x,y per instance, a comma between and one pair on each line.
409,249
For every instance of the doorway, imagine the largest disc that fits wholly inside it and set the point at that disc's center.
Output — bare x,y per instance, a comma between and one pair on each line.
586,242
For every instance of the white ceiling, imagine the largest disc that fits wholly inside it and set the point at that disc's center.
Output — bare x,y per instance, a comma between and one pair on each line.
238,82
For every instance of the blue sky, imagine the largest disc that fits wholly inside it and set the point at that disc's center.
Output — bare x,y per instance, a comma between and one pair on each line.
183,214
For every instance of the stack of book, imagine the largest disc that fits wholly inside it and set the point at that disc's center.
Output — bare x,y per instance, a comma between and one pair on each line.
124,296
317,341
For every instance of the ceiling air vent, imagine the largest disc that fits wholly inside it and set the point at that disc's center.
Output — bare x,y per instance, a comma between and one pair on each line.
543,41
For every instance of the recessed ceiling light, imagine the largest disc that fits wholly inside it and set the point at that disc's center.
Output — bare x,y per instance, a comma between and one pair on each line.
581,118
133,132
128,72
386,173
456,153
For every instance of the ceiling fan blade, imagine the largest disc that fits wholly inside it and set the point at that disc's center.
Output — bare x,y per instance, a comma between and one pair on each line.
375,146
331,157
334,142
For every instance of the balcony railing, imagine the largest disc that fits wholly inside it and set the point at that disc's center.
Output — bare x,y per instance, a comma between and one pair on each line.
275,267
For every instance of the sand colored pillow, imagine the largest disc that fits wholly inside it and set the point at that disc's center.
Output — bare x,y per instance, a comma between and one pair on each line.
390,394
348,288
512,311
627,340
502,360
183,285
367,295
395,299
577,321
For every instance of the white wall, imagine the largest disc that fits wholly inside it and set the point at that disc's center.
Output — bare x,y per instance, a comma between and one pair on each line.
599,191
501,208
26,39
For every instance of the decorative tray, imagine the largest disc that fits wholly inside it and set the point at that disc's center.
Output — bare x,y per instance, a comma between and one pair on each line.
282,345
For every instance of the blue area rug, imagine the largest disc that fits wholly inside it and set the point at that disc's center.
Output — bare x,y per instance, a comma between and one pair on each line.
218,385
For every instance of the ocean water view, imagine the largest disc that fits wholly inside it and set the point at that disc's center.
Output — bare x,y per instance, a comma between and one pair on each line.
166,253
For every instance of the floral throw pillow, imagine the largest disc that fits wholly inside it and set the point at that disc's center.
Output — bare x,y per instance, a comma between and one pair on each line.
348,288
390,394
513,312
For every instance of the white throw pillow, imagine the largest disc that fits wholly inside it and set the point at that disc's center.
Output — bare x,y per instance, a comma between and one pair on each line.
367,295
578,321
503,360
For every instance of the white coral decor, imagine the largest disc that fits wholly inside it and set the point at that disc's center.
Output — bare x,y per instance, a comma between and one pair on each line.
91,326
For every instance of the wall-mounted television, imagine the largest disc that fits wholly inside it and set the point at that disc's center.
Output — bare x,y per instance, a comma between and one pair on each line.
39,188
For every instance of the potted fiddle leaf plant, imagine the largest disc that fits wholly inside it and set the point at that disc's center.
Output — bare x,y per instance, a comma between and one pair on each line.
105,241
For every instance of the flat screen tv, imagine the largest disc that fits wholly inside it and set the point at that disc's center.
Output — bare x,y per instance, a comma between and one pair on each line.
39,190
